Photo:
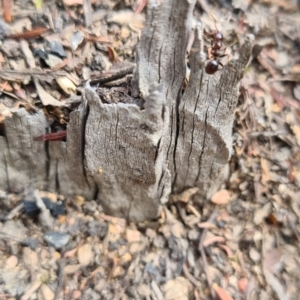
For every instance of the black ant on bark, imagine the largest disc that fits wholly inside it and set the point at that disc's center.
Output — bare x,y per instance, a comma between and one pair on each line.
216,44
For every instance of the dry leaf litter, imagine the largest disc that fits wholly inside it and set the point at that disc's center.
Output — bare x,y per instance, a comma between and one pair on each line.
243,244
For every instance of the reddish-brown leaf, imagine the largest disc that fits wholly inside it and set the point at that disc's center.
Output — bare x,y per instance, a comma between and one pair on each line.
55,136
212,240
29,34
5,86
226,249
112,54
140,6
222,294
95,39
220,197
243,284
7,9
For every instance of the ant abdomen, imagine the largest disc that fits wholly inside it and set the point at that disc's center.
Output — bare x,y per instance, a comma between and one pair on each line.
212,67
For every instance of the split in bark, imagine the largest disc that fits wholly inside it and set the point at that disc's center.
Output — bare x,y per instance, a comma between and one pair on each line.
131,155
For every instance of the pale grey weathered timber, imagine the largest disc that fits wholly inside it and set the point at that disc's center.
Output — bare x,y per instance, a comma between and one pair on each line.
23,159
132,155
206,114
123,154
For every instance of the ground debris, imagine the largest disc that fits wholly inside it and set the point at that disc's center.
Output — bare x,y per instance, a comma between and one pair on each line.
242,244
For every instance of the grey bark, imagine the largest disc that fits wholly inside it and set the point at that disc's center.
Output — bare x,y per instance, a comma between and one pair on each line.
132,155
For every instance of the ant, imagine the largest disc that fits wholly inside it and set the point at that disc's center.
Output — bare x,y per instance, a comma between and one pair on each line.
216,44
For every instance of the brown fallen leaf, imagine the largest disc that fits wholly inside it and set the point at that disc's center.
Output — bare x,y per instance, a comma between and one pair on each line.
272,260
112,54
243,284
226,249
220,197
139,6
133,235
207,225
5,86
177,288
222,294
45,97
7,9
212,240
30,34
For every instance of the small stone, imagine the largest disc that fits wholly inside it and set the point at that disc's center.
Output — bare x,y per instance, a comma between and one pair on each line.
3,195
30,257
85,254
150,233
97,228
32,243
57,239
11,262
193,235
177,288
136,247
118,271
30,208
125,258
133,236
144,290
56,48
254,255
76,39
159,241
76,294
221,197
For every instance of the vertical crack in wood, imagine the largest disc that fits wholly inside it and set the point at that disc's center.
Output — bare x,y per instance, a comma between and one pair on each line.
4,148
176,131
193,125
202,150
84,119
57,183
47,165
131,157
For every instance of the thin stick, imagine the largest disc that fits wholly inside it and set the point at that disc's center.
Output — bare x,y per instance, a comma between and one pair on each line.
190,277
117,75
203,256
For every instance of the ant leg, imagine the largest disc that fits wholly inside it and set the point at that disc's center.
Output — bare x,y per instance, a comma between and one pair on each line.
223,55
220,65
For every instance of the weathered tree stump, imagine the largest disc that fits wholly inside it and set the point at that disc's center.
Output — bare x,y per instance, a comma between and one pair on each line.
132,155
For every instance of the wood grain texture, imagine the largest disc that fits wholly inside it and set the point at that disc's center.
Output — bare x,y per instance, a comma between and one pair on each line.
206,114
124,154
132,154
25,159
66,170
